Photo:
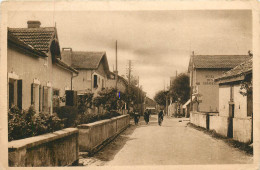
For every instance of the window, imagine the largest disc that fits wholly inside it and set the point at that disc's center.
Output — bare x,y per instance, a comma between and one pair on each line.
95,81
15,93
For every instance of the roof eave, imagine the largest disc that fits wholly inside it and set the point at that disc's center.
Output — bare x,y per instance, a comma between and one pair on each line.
27,49
64,65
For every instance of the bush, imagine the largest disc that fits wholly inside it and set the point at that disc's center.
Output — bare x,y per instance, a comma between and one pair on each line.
46,123
68,115
84,102
93,117
24,124
16,124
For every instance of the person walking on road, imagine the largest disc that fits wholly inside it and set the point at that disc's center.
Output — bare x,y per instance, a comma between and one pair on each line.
146,116
136,117
160,117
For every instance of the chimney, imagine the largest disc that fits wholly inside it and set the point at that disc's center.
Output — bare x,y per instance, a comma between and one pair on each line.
33,24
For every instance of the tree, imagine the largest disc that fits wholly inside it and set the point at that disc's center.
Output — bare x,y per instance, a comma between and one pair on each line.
106,98
109,99
84,102
246,87
180,88
160,97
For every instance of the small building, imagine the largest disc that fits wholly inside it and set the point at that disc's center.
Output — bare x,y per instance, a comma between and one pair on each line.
150,104
236,102
36,74
121,83
92,67
203,70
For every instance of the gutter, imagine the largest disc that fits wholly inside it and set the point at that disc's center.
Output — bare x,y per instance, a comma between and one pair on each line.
71,80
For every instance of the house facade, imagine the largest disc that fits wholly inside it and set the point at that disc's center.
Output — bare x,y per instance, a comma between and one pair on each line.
36,75
203,69
235,103
92,67
121,83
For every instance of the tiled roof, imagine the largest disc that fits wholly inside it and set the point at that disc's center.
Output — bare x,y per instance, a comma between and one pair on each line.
85,60
241,69
218,61
37,38
13,39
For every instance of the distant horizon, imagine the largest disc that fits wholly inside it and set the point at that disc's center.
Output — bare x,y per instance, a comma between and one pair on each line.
159,43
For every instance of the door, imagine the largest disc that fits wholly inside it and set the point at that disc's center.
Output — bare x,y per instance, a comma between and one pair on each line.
230,120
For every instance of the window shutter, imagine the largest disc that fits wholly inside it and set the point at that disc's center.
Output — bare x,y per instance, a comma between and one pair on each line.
95,81
11,94
19,93
32,94
46,99
40,95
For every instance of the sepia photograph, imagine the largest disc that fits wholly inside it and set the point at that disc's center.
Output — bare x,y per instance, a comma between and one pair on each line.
137,86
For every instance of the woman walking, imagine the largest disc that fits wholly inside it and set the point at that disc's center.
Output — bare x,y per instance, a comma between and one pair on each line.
146,116
160,117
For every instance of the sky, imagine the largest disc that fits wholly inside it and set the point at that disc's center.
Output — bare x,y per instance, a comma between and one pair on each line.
158,43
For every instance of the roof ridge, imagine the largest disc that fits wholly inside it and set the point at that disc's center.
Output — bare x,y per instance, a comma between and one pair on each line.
31,28
89,51
220,55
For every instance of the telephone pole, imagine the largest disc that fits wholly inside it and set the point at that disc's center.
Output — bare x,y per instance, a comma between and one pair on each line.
129,81
116,67
129,74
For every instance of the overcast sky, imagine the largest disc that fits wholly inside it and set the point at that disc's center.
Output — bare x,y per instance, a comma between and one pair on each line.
157,42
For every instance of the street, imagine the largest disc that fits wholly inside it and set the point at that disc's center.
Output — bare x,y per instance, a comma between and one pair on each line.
172,143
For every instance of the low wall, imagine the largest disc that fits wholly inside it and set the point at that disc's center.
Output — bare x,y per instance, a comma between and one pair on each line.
94,134
198,119
219,124
53,149
242,129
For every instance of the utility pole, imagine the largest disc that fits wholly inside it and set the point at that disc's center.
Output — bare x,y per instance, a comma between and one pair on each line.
129,81
129,74
191,83
138,92
116,67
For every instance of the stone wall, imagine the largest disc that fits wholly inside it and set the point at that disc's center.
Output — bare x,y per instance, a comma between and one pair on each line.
198,119
242,129
92,135
219,124
53,149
